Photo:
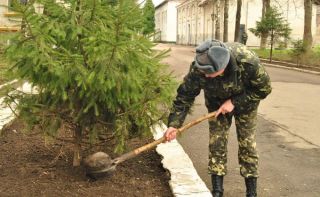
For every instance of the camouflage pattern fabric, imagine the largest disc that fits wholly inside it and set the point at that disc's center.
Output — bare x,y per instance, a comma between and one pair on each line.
245,82
247,155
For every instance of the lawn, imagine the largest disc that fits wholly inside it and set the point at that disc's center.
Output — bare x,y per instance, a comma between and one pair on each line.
4,37
311,59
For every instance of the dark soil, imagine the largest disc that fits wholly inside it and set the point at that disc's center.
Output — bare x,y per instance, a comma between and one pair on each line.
28,167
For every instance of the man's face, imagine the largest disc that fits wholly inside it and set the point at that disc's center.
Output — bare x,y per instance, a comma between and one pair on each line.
215,74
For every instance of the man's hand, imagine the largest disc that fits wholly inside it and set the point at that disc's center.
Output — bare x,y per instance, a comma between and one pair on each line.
170,134
226,107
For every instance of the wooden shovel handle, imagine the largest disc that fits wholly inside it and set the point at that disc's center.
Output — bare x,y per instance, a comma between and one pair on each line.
151,145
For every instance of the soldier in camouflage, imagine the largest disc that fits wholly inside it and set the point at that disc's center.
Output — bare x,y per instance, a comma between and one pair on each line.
234,81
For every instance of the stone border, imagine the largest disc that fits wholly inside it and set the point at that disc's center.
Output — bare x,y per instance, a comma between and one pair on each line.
185,180
291,68
6,115
290,64
8,83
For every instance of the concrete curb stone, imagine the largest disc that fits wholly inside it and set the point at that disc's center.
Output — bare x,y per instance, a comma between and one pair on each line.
291,68
185,180
6,114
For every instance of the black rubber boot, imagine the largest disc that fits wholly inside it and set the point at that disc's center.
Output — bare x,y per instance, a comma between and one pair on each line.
217,185
251,184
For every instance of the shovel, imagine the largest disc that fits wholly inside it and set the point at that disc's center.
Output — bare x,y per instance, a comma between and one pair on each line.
101,163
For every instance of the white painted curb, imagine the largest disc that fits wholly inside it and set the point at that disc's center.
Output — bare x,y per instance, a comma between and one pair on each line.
6,115
8,83
185,180
291,68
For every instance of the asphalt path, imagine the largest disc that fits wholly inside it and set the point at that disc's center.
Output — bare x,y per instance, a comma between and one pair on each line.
288,134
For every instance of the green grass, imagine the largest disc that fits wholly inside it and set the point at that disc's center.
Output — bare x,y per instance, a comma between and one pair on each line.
311,59
283,55
4,37
3,68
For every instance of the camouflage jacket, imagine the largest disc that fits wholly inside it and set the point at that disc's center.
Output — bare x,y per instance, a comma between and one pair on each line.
244,81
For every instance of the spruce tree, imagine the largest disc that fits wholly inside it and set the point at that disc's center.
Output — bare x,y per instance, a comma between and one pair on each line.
148,14
94,71
274,26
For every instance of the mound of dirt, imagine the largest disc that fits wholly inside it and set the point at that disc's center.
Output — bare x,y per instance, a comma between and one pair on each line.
28,167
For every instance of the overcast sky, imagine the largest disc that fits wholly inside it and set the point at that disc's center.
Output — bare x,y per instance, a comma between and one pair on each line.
155,2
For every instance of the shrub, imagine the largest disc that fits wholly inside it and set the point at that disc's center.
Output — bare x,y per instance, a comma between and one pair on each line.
94,71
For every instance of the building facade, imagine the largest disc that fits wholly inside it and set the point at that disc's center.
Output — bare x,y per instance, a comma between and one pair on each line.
166,20
196,20
8,18
5,13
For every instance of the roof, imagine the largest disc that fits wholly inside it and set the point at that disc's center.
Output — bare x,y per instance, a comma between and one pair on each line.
202,2
199,2
161,4
167,1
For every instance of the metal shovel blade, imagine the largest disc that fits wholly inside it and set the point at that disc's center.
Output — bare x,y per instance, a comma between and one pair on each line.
101,163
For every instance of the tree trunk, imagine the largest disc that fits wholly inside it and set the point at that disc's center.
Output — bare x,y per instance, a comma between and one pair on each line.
271,47
237,26
23,22
78,129
218,34
307,34
77,146
264,36
225,20
213,16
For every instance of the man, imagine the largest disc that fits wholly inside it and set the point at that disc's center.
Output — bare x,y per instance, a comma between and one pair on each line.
234,82
244,38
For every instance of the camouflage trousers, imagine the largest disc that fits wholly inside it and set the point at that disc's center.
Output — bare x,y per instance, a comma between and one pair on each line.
247,154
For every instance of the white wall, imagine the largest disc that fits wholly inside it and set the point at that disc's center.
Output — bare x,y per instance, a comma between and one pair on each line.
172,22
208,25
250,13
296,17
161,20
4,20
292,10
166,20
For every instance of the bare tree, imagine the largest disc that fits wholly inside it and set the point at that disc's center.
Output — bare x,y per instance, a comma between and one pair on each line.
213,16
264,36
218,31
307,34
225,20
237,25
317,2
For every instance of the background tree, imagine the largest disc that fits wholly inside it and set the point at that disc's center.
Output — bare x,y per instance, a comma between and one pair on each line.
298,51
275,25
111,2
264,35
237,24
218,20
307,33
94,72
213,18
148,14
226,21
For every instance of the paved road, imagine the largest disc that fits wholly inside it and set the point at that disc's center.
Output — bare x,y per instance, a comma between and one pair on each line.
288,134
